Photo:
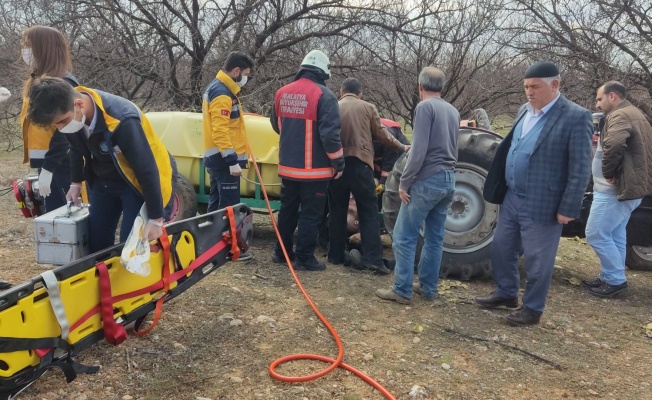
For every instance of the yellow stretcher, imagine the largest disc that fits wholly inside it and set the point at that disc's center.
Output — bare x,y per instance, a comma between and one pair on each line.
46,321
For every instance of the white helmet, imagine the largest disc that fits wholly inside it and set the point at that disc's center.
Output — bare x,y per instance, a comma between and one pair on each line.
318,59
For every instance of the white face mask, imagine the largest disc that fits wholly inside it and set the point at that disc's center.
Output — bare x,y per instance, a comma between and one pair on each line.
243,81
28,57
74,126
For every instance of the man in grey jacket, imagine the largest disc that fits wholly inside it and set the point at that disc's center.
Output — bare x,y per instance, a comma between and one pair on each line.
622,176
426,190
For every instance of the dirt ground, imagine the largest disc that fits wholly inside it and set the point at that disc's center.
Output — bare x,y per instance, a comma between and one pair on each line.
217,340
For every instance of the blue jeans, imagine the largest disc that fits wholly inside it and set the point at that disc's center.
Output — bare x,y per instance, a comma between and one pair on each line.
429,202
606,232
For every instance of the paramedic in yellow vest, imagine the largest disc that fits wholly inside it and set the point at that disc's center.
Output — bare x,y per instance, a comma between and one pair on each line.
115,150
225,139
45,52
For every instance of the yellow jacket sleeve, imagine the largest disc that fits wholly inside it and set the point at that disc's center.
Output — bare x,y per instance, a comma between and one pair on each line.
219,110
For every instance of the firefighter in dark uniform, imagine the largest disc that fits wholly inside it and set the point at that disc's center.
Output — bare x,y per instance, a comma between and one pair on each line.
306,116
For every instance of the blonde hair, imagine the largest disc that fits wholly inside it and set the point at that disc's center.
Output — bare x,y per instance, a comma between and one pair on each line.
50,53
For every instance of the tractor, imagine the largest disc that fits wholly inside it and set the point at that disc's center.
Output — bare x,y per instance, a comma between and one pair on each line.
471,220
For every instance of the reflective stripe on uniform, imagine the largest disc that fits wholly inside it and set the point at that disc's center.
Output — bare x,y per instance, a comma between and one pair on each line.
335,155
308,144
33,153
211,151
304,173
227,152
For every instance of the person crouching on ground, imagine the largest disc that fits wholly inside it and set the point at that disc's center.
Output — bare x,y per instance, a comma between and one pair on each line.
115,150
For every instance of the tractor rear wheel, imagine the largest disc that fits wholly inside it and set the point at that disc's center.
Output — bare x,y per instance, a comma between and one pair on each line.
184,200
471,220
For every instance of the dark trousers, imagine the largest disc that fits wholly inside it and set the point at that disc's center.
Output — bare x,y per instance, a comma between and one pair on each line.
515,231
59,187
108,202
225,189
310,197
357,179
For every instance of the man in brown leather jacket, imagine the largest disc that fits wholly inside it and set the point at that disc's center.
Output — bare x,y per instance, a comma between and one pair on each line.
360,125
622,176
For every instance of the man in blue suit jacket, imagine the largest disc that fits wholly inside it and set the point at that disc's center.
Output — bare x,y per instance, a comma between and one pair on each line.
539,175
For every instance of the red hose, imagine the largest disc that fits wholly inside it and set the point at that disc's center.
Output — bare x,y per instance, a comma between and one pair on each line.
334,363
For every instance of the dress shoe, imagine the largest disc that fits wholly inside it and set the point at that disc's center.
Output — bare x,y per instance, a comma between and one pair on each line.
607,290
389,294
524,316
592,283
4,285
308,264
493,301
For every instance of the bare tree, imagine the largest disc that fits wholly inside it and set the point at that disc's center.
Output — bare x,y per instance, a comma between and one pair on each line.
595,40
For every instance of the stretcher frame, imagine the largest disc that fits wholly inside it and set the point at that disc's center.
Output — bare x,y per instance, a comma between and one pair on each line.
198,245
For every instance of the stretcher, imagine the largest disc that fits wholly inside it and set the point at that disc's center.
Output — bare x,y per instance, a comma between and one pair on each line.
46,321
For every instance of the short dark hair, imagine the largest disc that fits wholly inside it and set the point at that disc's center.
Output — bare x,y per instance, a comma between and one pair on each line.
49,97
615,87
432,79
352,85
237,59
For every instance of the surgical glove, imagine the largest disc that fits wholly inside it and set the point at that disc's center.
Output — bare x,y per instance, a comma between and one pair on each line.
153,229
73,195
235,170
44,182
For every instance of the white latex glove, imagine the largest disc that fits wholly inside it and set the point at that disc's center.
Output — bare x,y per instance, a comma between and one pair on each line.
5,94
74,194
153,229
235,170
44,182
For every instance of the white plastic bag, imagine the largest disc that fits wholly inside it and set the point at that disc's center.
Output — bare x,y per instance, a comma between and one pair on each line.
135,253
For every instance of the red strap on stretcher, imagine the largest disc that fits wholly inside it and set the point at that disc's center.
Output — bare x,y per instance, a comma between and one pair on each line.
165,245
199,261
114,332
232,236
